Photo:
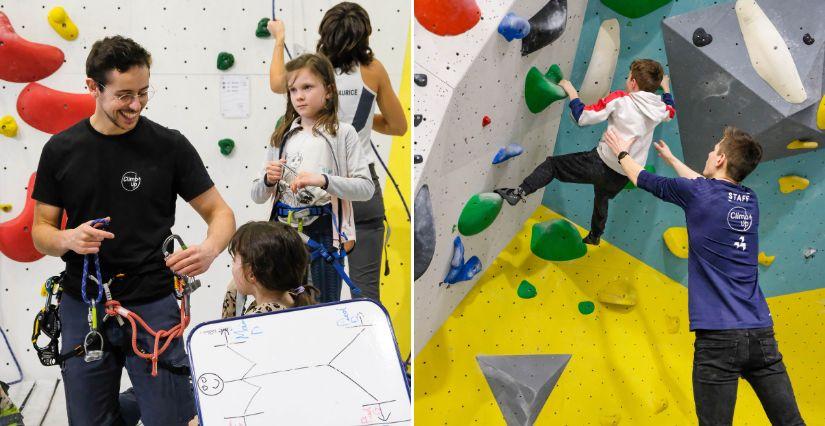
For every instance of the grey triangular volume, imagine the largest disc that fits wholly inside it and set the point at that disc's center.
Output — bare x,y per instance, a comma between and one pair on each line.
521,384
716,86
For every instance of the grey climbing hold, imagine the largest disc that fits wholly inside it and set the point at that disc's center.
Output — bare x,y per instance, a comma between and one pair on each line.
807,39
809,253
420,79
417,119
522,383
418,159
424,232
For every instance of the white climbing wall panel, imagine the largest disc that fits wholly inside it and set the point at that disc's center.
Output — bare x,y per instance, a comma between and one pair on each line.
471,75
184,38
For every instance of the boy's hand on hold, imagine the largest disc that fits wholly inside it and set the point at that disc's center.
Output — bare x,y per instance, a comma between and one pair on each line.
274,171
193,261
568,87
276,28
86,239
665,83
305,179
664,150
616,143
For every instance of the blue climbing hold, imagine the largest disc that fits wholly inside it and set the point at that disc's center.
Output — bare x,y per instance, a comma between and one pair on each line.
507,152
513,27
460,270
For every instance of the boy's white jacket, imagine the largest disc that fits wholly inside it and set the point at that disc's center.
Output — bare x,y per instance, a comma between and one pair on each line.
634,114
351,183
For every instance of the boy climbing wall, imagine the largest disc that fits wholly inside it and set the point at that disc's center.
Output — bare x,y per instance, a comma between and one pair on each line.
633,113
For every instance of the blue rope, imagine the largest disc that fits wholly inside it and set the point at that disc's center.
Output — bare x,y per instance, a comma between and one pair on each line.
13,358
97,271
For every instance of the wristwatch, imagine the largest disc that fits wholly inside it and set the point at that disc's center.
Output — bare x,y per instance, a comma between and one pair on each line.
623,154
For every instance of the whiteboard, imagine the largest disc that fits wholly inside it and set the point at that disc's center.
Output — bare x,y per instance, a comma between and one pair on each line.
330,364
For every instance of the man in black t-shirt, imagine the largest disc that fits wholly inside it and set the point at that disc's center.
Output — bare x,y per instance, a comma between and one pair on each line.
124,167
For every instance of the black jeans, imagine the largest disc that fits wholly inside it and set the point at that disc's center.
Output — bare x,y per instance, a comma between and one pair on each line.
580,167
722,356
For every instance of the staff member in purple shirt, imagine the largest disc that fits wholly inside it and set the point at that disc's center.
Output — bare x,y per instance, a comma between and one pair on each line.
728,312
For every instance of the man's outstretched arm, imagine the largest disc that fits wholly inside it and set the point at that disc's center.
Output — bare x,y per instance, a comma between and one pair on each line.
618,145
681,168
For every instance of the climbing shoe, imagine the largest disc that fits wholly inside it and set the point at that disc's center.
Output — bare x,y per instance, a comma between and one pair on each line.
591,239
511,195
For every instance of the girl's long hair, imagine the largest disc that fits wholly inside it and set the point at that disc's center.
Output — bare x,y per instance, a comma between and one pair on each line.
328,117
345,31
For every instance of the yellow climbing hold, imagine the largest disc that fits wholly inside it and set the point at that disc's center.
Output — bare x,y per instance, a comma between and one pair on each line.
766,260
672,324
60,21
798,144
792,183
659,404
618,292
820,114
5,207
676,239
610,420
8,127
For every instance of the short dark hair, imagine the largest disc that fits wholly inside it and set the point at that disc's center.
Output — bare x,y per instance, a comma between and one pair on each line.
276,255
647,73
742,152
345,31
112,53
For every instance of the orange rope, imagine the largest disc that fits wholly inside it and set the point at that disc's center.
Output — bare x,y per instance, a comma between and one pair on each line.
113,307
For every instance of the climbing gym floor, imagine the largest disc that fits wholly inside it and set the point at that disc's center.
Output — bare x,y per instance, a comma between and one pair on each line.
629,365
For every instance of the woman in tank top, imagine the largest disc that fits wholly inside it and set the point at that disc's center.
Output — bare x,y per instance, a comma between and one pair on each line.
362,83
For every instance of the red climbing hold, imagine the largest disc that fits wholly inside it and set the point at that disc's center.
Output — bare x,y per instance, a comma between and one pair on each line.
16,236
447,17
53,111
486,121
23,61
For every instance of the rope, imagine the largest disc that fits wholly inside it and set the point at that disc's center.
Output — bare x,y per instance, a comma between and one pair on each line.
114,308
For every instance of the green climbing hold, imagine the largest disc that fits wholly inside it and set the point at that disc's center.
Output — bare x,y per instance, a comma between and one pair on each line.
586,307
542,90
634,8
479,213
557,240
526,290
226,145
262,31
225,61
651,169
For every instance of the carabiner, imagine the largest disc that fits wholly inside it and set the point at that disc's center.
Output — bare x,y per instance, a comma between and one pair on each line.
171,239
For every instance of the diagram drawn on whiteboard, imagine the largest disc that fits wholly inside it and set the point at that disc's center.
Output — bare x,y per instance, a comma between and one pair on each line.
334,364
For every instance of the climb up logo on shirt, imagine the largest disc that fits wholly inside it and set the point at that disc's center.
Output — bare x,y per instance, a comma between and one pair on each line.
130,181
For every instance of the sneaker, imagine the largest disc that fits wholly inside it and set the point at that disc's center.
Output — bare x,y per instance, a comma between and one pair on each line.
511,195
591,239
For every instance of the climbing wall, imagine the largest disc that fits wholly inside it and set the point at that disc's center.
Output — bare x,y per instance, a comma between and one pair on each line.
620,311
184,38
469,76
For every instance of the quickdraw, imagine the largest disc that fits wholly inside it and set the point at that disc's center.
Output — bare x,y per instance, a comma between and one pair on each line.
47,322
184,286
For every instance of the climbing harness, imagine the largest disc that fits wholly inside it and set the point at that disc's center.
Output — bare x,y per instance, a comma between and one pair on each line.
316,249
184,286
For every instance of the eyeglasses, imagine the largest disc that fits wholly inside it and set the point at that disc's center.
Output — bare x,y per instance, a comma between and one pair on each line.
126,98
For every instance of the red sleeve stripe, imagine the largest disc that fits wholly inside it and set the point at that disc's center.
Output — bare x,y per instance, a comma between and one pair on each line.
670,111
602,104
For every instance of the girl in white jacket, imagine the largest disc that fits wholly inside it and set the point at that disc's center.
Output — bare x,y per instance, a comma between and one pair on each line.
315,168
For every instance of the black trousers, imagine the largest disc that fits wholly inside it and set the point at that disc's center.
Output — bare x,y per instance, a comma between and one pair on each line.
580,167
722,356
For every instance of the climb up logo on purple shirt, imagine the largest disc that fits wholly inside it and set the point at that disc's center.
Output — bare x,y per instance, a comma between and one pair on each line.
130,181
739,218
